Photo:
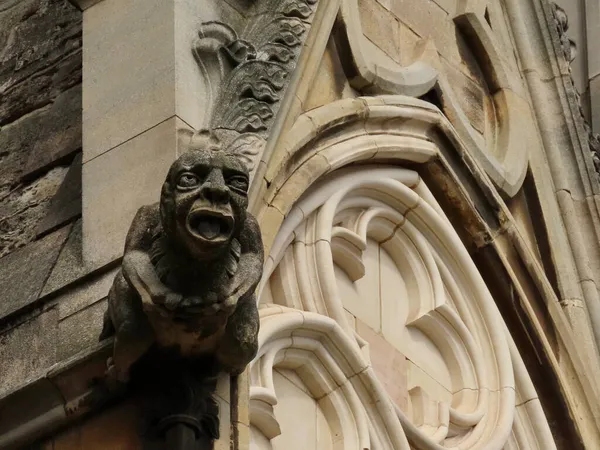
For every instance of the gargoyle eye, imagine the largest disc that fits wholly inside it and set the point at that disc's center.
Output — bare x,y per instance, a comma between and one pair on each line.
238,182
187,181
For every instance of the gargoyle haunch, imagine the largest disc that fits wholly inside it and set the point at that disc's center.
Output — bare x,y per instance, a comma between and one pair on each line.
191,265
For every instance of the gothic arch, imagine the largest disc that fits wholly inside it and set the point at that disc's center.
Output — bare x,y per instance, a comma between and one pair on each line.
491,402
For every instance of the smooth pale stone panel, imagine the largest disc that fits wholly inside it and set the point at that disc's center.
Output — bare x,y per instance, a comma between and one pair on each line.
361,298
117,183
425,354
128,71
258,441
395,299
419,378
303,425
389,364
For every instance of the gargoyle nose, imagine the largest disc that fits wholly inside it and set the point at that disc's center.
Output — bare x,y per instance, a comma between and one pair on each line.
215,190
216,194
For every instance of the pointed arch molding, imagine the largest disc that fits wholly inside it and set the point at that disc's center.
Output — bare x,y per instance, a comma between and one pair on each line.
446,300
505,156
414,80
331,193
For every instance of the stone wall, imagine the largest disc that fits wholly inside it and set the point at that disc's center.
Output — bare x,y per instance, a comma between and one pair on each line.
40,169
40,119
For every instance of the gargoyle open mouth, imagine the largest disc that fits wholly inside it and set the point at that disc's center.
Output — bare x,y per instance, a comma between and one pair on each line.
210,225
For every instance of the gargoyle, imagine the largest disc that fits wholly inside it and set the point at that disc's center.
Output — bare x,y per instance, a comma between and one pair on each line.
191,265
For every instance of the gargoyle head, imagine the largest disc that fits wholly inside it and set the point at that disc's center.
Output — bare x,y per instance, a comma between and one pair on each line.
204,198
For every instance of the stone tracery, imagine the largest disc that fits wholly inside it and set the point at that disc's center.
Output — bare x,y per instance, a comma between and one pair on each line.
440,305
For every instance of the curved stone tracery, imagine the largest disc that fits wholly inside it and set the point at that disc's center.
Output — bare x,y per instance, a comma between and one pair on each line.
430,305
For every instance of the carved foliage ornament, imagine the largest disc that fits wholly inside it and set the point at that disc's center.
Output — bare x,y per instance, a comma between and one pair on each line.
247,74
569,47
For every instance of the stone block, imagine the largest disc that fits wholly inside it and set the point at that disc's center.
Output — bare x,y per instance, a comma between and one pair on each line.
409,41
471,96
128,71
66,204
152,76
381,27
420,16
23,272
330,83
58,132
41,54
30,347
80,330
117,183
24,206
69,265
40,139
388,363
85,295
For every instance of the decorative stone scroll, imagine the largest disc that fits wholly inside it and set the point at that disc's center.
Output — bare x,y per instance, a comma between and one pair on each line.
182,307
247,73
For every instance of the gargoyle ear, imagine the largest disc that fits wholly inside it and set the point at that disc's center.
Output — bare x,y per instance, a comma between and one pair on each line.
246,147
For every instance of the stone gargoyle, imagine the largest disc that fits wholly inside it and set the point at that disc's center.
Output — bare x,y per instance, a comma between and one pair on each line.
191,265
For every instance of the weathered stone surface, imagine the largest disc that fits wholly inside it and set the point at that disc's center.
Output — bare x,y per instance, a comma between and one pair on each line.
381,27
69,265
22,207
40,56
34,400
80,330
66,204
595,100
330,83
59,132
23,273
29,348
85,294
41,138
471,95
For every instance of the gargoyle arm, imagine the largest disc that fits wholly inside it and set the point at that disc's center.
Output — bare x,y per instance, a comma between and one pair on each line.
250,266
137,267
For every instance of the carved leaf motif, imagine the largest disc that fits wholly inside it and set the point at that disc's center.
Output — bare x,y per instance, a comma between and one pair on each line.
290,32
275,52
261,90
240,51
247,146
297,9
253,117
252,68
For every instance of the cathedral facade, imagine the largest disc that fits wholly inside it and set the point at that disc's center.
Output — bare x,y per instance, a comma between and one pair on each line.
426,179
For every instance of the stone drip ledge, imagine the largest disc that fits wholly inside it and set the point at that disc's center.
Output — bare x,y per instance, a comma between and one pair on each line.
67,392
